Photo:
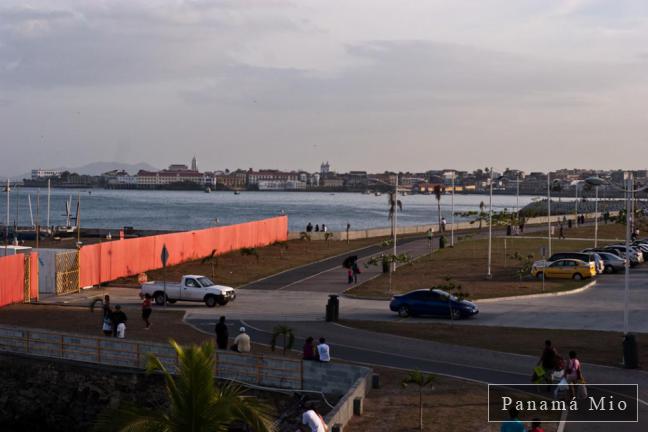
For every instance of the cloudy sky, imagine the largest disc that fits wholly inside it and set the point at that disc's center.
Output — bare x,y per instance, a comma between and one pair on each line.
365,84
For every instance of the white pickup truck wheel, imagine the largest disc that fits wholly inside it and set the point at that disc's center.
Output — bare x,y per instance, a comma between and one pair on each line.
210,301
159,298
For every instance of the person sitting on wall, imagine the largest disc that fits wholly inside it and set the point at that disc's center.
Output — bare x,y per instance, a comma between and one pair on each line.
242,342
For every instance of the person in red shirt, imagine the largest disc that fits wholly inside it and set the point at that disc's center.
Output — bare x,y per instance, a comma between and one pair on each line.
536,426
309,349
146,310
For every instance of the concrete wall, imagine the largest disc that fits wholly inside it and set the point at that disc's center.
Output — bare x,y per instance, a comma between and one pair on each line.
343,410
422,229
331,378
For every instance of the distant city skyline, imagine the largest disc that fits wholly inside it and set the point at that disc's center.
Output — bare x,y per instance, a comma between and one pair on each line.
367,85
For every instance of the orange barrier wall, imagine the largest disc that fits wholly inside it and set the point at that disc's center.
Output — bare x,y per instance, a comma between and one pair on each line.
111,260
12,273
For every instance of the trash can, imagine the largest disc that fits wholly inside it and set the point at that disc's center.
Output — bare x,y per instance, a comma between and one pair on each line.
630,354
385,266
333,308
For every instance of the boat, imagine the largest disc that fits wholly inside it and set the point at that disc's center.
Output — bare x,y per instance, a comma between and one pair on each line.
207,189
377,193
237,193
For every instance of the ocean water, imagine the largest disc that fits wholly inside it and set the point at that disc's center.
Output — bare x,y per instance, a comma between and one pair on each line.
185,210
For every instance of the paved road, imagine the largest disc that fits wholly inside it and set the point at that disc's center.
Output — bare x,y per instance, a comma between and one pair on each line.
483,366
331,277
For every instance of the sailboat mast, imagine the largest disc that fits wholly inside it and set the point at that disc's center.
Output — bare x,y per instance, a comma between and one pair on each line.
37,217
49,190
7,223
31,215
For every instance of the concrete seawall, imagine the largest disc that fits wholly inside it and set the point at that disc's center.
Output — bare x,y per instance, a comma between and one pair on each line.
422,229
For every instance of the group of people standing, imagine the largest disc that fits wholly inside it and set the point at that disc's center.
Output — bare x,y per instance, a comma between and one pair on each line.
113,319
242,342
309,228
320,352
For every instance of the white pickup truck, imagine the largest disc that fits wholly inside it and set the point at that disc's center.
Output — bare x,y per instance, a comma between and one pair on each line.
195,288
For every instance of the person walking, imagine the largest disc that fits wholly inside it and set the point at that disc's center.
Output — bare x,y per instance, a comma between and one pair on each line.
242,342
119,319
548,360
147,309
222,334
573,372
356,271
350,275
309,349
561,232
106,319
323,351
522,225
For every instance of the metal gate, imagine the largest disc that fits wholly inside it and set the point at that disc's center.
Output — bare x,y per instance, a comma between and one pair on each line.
67,272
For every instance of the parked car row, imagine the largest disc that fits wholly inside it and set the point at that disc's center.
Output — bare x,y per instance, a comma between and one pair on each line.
591,261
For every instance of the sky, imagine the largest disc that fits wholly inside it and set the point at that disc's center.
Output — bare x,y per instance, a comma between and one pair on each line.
365,84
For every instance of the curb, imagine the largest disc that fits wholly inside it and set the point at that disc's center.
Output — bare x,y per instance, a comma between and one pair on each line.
541,295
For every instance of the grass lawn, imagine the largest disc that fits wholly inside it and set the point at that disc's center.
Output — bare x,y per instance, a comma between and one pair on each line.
466,264
448,405
235,269
600,347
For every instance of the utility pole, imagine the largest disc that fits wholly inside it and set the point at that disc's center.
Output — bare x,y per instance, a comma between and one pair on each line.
490,226
452,206
395,221
548,213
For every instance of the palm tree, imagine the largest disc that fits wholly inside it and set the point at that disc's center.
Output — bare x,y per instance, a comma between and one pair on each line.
437,195
197,404
288,337
421,380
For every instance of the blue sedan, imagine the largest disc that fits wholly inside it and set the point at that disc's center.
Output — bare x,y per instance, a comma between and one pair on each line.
432,302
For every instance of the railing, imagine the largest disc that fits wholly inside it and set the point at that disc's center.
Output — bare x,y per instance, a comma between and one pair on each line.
249,368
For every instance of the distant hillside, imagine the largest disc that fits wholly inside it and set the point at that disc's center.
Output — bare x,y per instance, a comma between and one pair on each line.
96,168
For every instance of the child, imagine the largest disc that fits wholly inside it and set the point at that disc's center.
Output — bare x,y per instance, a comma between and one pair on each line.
146,310
350,275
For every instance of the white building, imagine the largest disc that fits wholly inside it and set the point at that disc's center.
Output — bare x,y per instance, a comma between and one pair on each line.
44,173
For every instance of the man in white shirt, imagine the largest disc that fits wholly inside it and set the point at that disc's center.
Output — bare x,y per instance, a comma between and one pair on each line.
323,351
242,342
312,422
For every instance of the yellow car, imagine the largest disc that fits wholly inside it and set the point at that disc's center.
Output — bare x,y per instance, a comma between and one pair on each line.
565,269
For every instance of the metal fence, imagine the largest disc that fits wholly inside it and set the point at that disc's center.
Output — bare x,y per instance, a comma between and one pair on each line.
249,368
67,272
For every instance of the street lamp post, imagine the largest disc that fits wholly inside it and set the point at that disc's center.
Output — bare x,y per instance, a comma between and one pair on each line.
452,214
596,216
395,221
548,214
490,225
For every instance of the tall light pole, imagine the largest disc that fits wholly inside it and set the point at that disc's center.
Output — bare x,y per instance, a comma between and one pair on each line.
626,281
517,194
395,221
490,226
452,215
548,214
596,216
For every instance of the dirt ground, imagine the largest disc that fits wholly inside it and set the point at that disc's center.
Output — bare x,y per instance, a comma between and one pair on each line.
235,269
592,346
466,264
449,405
